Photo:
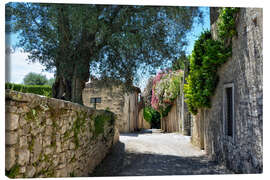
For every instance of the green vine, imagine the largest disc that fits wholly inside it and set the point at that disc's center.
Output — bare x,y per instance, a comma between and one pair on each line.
207,56
226,23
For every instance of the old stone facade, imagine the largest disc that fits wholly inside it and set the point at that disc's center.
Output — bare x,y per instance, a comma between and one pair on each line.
239,94
47,137
123,104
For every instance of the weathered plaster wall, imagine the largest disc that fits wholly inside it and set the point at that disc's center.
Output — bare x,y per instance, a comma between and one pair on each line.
46,137
142,123
243,152
171,123
124,105
178,118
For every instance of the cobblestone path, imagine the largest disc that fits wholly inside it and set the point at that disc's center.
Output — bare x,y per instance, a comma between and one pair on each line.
150,154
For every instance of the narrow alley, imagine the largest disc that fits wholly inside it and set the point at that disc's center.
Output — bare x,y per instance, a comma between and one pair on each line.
152,152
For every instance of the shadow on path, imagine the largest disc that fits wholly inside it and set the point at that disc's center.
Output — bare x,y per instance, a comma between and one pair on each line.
122,163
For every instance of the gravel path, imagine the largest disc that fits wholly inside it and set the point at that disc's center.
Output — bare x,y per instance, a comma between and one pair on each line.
155,153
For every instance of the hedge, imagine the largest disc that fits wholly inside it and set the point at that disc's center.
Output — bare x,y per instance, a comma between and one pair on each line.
43,90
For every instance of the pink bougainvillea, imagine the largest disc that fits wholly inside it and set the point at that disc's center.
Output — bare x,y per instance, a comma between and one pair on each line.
154,100
166,87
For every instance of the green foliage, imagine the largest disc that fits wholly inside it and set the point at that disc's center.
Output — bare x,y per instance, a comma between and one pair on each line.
13,172
100,121
166,88
151,116
34,79
147,114
226,23
116,41
206,57
179,63
44,90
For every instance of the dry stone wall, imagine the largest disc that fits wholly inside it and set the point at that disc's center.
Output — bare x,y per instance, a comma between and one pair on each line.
243,151
46,137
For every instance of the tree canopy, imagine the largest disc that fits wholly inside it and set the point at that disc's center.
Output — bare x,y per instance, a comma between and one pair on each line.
110,41
34,79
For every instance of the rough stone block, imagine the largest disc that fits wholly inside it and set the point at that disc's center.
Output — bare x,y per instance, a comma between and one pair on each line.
47,140
10,158
23,142
11,138
22,169
71,145
49,121
30,171
61,173
11,109
22,121
58,147
23,156
12,121
37,148
48,150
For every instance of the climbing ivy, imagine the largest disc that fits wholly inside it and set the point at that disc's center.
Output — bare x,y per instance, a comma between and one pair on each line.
206,57
226,23
209,54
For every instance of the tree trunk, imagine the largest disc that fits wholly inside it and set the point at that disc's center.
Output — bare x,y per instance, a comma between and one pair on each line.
61,89
72,65
79,78
77,88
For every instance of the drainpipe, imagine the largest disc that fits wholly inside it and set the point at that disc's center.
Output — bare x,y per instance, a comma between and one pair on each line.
183,103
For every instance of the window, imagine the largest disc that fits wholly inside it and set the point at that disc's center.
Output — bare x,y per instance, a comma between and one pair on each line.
228,109
95,100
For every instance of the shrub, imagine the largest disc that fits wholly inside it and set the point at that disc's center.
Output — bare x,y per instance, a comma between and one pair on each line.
151,115
44,90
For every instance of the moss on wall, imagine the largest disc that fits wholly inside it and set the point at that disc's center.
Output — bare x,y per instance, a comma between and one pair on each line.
13,172
100,120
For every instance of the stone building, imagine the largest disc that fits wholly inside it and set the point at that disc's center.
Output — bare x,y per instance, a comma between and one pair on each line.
123,104
231,130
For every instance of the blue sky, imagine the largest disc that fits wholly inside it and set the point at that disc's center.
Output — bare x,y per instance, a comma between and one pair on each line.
17,65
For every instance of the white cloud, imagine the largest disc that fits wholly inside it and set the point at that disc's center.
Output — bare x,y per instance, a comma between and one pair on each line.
17,67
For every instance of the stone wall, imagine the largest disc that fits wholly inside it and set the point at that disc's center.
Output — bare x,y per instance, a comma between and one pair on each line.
142,123
243,151
172,122
178,119
123,104
47,137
